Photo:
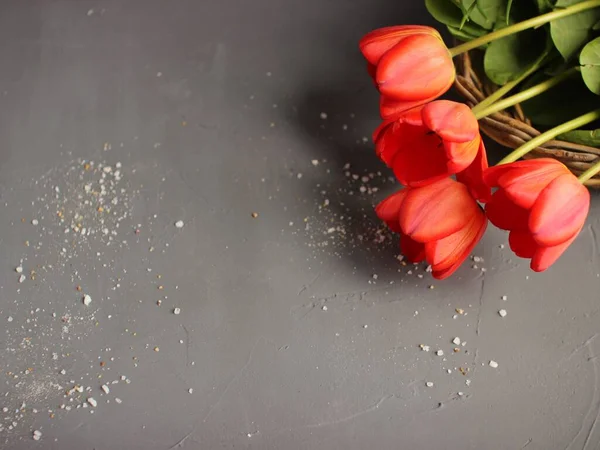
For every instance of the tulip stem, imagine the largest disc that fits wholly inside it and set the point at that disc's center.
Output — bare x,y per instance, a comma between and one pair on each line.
551,134
481,112
589,173
525,25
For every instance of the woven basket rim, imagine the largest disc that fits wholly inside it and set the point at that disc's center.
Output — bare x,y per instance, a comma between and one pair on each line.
512,128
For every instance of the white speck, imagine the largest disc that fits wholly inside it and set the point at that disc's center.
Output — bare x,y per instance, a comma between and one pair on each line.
269,74
10,318
504,297
449,370
440,353
299,176
476,259
502,313
461,393
63,372
179,224
105,389
331,230
429,384
425,348
21,278
107,169
90,12
37,435
375,276
92,402
493,364
468,382
177,311
365,326
501,246
456,341
87,300
159,74
315,162
19,269
118,400
324,308
190,390
323,115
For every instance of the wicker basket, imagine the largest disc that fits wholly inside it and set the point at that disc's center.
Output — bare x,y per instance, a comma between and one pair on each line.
512,129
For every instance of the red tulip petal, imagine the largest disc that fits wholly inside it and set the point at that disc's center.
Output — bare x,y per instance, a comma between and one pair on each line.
546,256
417,67
461,155
472,176
389,209
524,182
412,250
375,43
447,254
391,109
560,211
522,244
452,121
391,136
437,210
493,174
504,214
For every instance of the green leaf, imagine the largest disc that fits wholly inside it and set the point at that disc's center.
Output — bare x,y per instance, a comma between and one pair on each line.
566,101
544,6
570,33
462,35
484,13
446,12
508,8
506,58
590,65
583,137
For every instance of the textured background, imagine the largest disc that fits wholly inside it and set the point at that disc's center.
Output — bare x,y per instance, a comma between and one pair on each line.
298,328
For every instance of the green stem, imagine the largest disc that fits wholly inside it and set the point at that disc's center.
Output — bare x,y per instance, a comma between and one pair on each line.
551,134
525,25
589,173
481,112
502,91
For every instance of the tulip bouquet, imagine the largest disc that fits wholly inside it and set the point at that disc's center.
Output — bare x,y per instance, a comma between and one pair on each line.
435,149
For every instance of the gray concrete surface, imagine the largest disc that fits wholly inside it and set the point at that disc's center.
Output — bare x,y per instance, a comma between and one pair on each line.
298,327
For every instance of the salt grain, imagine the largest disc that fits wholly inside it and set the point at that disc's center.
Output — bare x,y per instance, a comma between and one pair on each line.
440,353
21,278
105,389
87,300
315,162
37,435
493,364
504,297
324,308
425,348
456,341
177,311
19,269
323,115
190,390
118,400
429,384
34,222
179,224
92,402
502,313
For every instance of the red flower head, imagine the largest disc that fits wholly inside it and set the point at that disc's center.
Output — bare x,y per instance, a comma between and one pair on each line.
541,203
434,141
440,223
410,64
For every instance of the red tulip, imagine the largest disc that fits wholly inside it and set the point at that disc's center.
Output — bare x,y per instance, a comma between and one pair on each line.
410,64
434,141
439,222
541,203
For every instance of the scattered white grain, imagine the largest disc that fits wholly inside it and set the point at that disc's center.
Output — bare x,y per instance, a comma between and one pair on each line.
34,222
502,313
315,162
37,435
429,384
118,400
425,348
324,308
190,390
92,402
177,311
440,353
87,300
493,364
456,341
105,389
323,115
375,276
19,269
21,278
179,224
10,318
504,297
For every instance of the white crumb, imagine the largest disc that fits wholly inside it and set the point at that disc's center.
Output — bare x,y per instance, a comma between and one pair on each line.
179,224
21,278
190,390
440,353
315,162
92,402
456,341
177,311
323,115
502,313
87,300
118,400
429,384
105,389
493,364
425,348
504,297
19,269
324,308
37,435
34,222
